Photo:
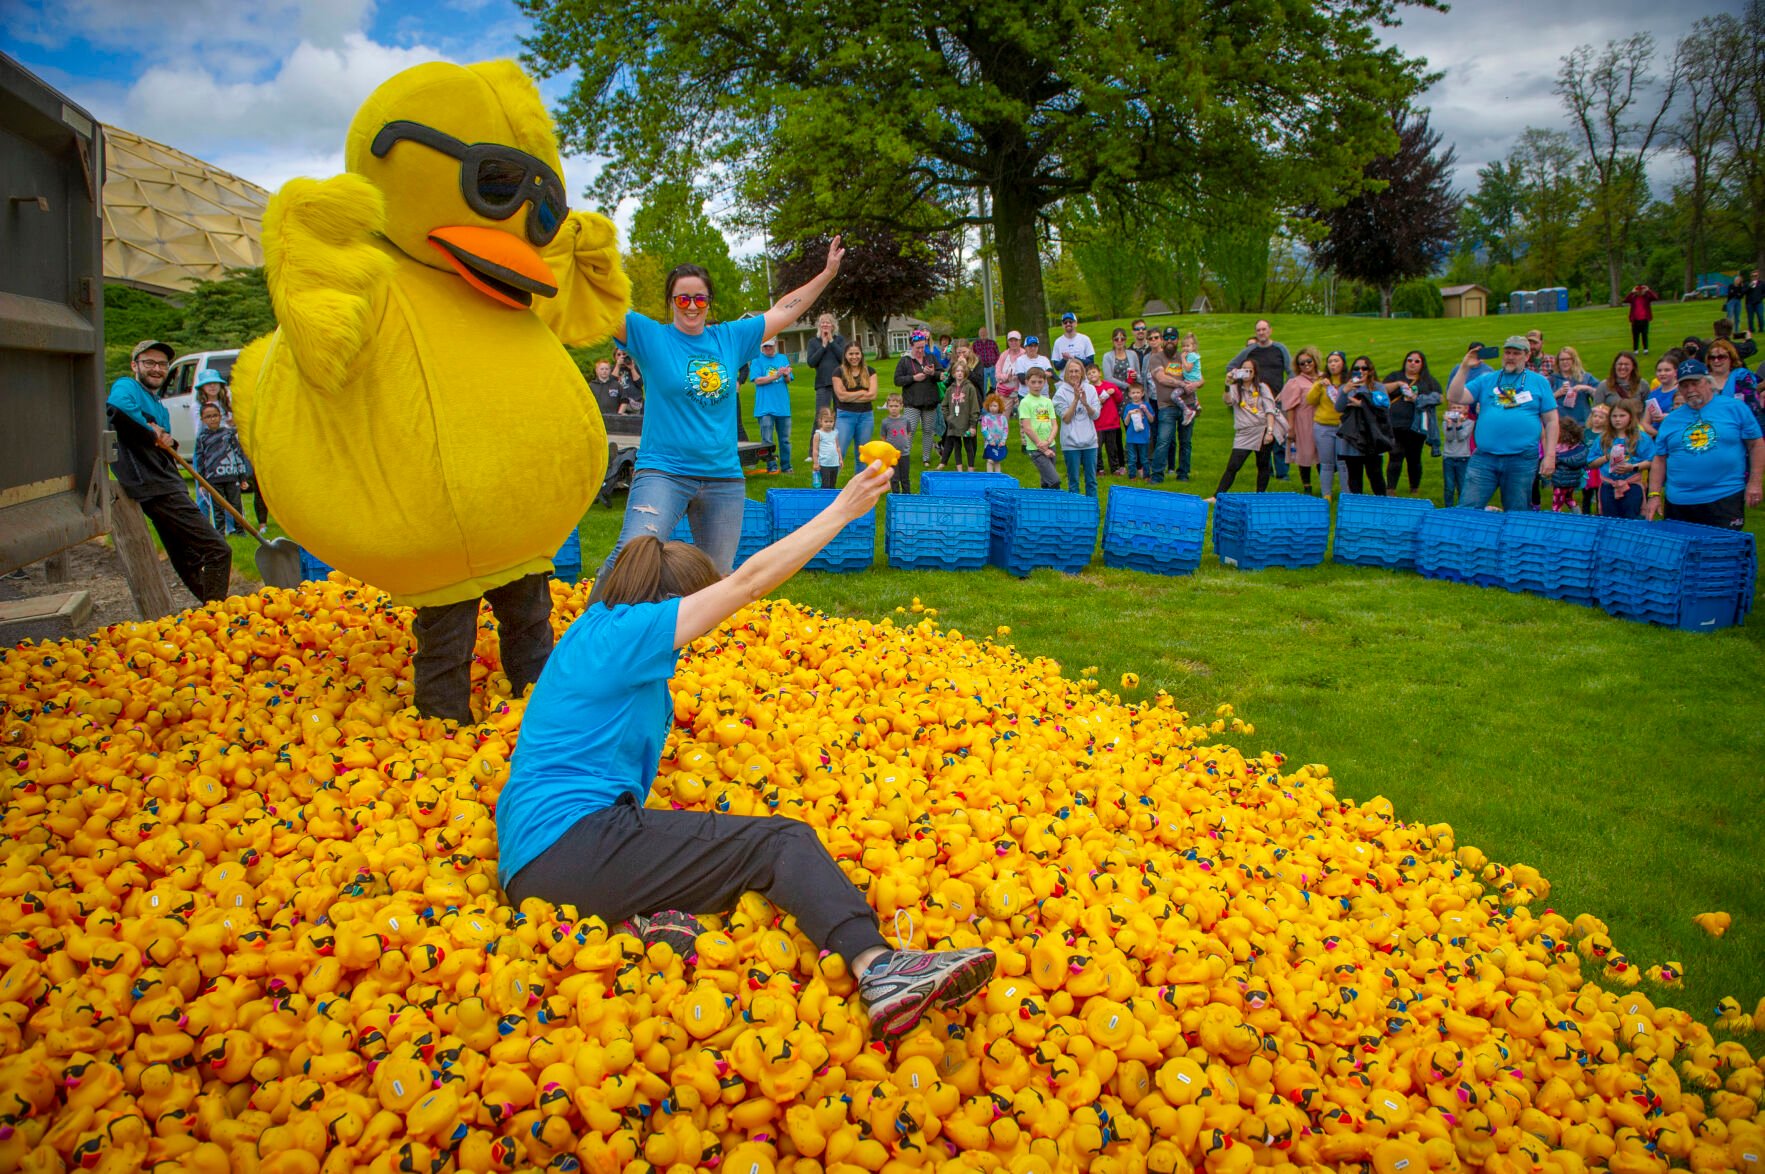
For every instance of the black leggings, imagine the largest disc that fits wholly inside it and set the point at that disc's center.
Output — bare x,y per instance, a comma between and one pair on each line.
1112,447
627,860
1639,336
1409,449
1264,467
948,446
1371,467
442,666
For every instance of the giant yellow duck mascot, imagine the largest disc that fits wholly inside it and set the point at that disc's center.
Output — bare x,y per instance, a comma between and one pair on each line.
415,417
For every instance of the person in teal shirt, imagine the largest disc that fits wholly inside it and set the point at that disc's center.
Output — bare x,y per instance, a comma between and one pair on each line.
771,373
1709,457
1516,410
571,822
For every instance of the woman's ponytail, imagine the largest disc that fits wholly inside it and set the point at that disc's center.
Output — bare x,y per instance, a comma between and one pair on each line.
649,570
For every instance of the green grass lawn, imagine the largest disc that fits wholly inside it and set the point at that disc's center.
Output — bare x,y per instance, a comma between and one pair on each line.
1626,763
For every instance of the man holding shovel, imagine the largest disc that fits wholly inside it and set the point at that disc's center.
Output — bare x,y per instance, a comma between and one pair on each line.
147,471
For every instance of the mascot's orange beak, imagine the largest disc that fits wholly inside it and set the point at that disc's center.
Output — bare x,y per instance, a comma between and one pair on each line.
499,265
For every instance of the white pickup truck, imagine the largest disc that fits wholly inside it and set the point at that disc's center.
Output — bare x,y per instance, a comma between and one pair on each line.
178,392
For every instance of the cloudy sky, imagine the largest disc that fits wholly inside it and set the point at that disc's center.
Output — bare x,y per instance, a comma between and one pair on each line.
265,88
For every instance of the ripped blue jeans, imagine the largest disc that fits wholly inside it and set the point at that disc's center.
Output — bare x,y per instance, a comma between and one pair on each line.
712,507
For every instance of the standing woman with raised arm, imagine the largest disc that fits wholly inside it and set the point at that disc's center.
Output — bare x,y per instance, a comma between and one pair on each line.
571,823
687,462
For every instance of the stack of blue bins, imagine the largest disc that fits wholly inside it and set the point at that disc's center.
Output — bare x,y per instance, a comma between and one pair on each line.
756,531
311,569
937,533
1256,530
1462,544
1150,530
964,484
1041,528
1551,554
1697,578
567,563
1374,531
852,549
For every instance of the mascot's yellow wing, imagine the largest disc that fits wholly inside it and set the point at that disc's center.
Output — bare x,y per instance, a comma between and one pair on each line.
327,272
593,291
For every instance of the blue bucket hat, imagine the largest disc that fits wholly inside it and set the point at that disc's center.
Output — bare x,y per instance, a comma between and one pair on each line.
210,375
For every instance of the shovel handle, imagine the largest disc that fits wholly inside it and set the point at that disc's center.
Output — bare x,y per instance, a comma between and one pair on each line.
219,499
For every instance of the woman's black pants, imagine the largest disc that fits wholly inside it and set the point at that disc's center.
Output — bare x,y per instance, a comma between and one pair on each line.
1264,467
1408,450
628,860
1371,467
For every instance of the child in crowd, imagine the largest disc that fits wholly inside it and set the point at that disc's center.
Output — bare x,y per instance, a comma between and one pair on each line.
1571,467
898,431
1191,356
1622,463
959,416
222,464
1596,422
1137,430
1037,423
995,433
1456,426
827,450
1109,423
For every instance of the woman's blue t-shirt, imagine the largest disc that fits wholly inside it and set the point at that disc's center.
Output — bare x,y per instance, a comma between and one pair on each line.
1511,407
689,417
1706,450
593,730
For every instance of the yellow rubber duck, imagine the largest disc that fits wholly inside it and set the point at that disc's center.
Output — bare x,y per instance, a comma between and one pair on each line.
444,261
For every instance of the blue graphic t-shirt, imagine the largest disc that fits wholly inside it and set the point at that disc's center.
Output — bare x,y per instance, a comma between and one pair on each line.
1706,450
1640,453
593,730
689,419
1511,406
771,399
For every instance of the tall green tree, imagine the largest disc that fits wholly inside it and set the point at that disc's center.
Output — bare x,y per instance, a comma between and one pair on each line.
1709,84
877,111
1552,198
229,312
672,226
1618,113
1742,112
1236,244
1491,216
1401,223
1102,240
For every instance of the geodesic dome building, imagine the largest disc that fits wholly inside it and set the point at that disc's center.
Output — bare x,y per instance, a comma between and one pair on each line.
171,220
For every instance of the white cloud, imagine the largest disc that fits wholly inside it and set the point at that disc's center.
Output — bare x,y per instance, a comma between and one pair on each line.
218,27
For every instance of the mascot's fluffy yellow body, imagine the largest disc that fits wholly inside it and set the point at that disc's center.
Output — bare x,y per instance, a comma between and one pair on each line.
415,419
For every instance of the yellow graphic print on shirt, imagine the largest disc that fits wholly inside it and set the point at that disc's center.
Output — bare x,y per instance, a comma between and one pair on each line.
1507,397
706,380
1699,436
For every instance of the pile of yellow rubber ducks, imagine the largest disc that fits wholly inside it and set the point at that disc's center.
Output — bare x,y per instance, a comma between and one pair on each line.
251,923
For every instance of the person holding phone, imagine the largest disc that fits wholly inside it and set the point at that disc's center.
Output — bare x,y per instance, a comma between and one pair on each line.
1641,300
1515,411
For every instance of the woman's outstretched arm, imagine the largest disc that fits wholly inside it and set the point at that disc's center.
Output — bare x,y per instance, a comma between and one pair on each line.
792,306
759,576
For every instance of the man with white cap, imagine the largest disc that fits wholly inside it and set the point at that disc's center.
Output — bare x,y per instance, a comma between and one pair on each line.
1033,357
1070,344
1709,457
772,403
1515,411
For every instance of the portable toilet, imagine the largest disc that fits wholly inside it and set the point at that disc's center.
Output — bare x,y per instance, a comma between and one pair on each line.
1562,292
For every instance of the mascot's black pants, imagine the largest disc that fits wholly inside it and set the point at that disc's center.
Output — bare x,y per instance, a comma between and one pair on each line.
447,635
198,553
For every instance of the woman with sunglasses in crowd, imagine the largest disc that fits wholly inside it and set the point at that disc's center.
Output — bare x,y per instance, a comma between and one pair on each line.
687,462
1363,394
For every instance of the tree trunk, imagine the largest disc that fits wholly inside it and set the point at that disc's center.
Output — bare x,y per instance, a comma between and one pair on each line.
1613,261
1385,301
1020,260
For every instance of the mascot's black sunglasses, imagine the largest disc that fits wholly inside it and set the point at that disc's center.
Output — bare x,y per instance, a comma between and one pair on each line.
496,180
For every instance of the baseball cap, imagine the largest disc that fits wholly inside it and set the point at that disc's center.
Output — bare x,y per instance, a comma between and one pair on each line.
1516,342
1069,316
1017,334
152,344
1692,369
1032,340
1171,333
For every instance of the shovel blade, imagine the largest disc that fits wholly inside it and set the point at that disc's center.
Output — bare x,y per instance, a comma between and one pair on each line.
278,563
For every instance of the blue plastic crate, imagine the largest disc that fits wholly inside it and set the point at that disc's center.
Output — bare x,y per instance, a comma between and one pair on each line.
1149,530
852,549
949,533
964,484
1551,554
1374,531
311,569
1256,530
756,531
567,563
1033,528
1693,577
1462,544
